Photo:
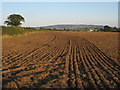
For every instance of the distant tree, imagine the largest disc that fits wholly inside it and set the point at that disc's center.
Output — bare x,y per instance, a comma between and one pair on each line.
115,27
107,28
14,20
41,28
68,29
64,28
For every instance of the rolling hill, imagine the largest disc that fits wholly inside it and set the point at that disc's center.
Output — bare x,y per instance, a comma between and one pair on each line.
73,27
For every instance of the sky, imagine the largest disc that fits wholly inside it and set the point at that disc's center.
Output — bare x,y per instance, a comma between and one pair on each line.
38,14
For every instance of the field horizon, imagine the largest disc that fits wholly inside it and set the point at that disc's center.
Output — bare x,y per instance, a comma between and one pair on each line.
60,45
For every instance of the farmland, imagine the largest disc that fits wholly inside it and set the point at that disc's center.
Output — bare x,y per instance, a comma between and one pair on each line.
61,59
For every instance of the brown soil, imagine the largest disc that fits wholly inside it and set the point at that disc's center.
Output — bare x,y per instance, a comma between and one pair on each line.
59,59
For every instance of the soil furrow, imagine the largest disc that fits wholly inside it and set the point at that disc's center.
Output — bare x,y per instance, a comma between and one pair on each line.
58,59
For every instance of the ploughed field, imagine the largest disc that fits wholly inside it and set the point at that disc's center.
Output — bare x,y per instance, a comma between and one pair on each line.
59,59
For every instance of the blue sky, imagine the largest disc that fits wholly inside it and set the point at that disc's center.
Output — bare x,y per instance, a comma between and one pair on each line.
51,13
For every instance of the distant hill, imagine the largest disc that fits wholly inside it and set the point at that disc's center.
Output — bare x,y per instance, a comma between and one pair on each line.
73,27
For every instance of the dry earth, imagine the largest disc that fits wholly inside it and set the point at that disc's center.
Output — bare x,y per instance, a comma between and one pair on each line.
59,59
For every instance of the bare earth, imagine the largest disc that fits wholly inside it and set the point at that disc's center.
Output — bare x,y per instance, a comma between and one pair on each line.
59,59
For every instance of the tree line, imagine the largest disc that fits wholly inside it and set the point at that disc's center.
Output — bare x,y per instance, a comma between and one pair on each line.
16,19
110,29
